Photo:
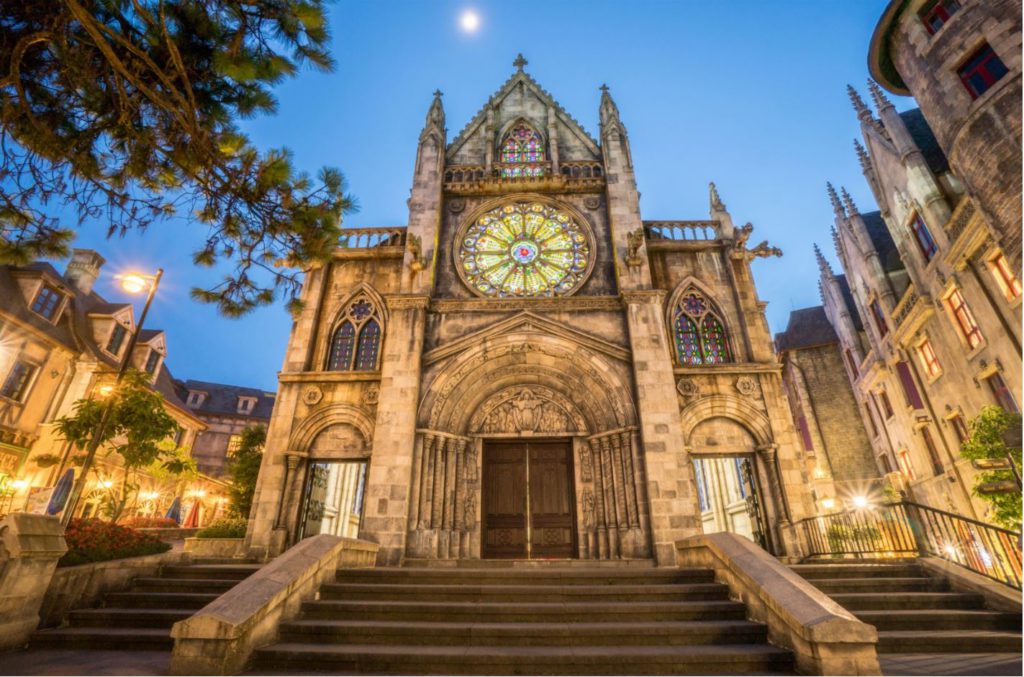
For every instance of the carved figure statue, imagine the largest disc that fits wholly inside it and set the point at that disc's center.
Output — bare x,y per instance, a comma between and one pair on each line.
415,246
634,241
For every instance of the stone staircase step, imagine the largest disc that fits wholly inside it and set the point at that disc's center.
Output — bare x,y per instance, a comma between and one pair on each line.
830,571
522,593
155,584
475,660
131,618
865,601
158,600
948,641
524,634
532,564
542,576
941,619
124,639
890,585
551,612
234,572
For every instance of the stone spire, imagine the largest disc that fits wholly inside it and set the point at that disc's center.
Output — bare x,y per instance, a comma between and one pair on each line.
720,213
434,123
823,264
716,200
881,100
851,208
863,113
609,111
862,155
837,206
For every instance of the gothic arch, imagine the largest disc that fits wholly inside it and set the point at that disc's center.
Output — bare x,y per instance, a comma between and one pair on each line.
361,289
727,406
674,301
510,125
365,292
335,414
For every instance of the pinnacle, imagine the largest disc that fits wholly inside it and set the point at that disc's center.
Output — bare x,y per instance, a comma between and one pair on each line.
862,155
879,97
823,264
858,103
716,200
837,206
848,202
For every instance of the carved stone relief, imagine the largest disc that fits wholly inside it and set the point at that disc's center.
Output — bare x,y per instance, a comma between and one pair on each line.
746,386
688,388
312,395
371,393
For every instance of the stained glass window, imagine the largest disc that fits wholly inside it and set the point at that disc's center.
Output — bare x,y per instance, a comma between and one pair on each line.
523,250
356,342
699,333
524,147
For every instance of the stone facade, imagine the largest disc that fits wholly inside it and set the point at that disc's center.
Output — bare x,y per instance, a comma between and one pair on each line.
931,318
981,134
595,365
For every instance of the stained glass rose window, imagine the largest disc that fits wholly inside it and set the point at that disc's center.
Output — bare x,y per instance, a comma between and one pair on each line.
525,249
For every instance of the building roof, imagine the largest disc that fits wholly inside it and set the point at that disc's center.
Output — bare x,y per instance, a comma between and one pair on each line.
925,140
882,240
222,399
879,58
807,327
844,286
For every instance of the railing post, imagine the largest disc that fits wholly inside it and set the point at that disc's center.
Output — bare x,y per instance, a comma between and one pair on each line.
917,528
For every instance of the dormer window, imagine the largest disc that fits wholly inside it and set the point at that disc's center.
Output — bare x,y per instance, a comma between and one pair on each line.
246,405
196,398
522,152
116,339
152,362
47,302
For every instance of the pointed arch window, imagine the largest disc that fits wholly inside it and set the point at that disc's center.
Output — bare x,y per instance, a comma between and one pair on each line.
522,152
699,332
355,344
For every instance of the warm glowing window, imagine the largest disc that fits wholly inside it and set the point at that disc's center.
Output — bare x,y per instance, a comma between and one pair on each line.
522,150
929,362
906,467
234,444
923,236
964,319
879,318
1007,280
933,453
935,14
699,333
355,345
981,71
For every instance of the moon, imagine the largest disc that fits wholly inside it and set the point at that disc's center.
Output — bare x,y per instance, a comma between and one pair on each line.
469,21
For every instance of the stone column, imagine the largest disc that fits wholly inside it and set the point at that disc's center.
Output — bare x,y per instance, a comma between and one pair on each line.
31,546
386,514
674,513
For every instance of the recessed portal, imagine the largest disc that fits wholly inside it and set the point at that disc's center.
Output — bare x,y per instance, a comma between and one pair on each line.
333,498
728,496
528,500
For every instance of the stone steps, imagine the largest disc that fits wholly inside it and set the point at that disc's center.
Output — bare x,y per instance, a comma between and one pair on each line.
131,618
159,600
544,620
214,585
122,639
301,658
235,572
915,612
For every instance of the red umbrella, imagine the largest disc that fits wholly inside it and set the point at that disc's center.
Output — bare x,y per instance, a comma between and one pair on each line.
192,520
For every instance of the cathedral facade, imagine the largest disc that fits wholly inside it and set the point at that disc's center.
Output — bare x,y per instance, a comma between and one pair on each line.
528,369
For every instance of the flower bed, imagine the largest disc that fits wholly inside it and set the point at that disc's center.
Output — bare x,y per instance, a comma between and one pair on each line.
92,540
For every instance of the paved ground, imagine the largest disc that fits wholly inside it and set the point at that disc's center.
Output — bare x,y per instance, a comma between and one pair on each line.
951,664
51,662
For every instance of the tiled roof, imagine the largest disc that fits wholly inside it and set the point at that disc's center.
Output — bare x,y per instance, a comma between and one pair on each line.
222,399
925,140
807,327
882,240
844,285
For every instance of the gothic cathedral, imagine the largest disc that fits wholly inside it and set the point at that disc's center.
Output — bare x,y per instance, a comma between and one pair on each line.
528,369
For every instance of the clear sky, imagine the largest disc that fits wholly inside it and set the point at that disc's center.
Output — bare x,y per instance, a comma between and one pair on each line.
749,94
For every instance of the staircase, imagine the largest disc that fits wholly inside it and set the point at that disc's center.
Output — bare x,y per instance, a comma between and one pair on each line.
539,620
914,611
141,618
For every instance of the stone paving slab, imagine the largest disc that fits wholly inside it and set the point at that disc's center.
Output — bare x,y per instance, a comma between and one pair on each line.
70,662
951,664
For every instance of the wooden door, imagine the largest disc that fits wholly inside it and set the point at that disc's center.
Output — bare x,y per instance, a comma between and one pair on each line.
528,504
504,501
551,502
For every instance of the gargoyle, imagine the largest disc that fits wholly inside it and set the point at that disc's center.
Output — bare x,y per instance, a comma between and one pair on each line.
415,247
742,235
634,241
762,250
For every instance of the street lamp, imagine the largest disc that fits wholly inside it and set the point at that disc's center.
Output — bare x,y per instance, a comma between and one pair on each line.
133,283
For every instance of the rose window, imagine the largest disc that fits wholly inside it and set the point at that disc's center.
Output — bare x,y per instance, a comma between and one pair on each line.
525,249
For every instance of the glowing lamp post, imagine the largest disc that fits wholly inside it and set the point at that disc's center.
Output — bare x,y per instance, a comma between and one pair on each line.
133,283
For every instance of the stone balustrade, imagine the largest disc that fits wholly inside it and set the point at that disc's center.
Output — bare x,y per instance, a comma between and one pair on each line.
581,170
372,238
903,308
681,231
959,219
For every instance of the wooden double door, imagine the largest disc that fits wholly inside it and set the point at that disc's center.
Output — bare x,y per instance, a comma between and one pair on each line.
528,500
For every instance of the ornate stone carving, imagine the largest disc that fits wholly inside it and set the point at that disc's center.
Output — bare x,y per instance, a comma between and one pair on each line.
469,511
557,303
746,386
586,467
371,393
634,241
588,508
456,206
592,202
312,395
688,388
405,301
525,411
415,246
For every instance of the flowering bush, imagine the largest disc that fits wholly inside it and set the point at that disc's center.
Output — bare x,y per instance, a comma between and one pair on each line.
229,527
143,522
93,540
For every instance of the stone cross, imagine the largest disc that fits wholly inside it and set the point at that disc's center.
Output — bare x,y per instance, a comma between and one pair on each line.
520,62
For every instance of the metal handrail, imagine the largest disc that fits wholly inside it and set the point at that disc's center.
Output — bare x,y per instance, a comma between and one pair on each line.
909,528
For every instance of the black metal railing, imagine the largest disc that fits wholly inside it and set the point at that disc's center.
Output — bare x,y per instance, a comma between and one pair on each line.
910,529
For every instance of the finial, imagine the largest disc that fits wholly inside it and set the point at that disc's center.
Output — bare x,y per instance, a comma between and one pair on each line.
823,264
858,104
716,200
438,93
862,155
837,206
520,62
881,100
603,88
851,208
836,244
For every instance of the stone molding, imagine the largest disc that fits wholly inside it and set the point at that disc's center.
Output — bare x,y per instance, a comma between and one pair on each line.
407,301
635,296
731,369
489,305
327,376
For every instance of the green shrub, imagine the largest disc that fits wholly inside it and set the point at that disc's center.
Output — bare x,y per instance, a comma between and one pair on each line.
93,540
228,527
142,522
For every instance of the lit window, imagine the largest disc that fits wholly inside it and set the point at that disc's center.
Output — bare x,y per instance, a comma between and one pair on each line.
116,339
969,329
234,444
936,14
926,355
152,360
906,467
522,150
699,333
981,71
18,380
1001,392
960,428
702,485
910,392
925,242
356,342
933,453
879,318
1008,281
46,302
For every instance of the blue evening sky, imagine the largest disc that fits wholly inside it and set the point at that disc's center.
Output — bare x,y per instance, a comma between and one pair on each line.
749,94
